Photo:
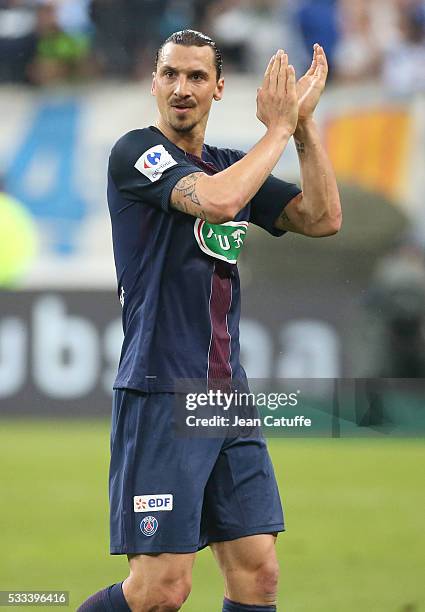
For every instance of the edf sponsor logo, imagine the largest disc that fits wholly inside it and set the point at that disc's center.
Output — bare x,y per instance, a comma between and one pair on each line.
147,503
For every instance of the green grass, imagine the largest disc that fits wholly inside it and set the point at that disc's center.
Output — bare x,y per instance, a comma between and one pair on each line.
354,511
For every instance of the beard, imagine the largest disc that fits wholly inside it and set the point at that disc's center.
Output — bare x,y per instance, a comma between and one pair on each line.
183,128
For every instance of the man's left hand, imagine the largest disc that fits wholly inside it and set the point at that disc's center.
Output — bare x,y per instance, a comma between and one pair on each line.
311,85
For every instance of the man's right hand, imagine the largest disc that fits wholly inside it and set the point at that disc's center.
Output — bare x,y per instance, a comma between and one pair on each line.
277,103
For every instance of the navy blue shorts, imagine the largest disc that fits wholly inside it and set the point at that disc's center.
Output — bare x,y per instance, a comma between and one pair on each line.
177,495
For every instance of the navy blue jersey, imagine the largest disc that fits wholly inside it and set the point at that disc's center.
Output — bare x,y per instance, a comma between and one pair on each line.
178,279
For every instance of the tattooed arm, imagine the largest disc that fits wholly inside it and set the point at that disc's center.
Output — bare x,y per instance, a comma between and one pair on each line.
220,197
185,198
317,210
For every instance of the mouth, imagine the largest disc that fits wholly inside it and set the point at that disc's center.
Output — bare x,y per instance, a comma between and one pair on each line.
181,109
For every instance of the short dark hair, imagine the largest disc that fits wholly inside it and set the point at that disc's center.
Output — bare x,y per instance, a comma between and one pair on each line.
192,38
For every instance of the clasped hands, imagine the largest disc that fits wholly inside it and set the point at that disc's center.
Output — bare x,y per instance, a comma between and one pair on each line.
282,101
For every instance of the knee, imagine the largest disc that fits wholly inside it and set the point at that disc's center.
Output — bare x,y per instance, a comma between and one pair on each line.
173,595
167,595
266,578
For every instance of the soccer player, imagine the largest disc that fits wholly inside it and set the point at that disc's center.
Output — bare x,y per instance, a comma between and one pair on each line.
180,211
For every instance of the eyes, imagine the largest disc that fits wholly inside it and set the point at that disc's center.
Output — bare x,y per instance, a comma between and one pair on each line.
195,76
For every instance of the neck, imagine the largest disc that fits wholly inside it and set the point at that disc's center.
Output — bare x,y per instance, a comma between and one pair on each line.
191,142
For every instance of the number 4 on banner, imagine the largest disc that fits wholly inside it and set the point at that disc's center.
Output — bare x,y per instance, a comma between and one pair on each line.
42,174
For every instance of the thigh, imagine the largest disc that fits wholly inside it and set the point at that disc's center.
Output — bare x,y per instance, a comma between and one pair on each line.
242,497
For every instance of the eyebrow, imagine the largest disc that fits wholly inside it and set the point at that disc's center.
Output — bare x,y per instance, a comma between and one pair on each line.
165,67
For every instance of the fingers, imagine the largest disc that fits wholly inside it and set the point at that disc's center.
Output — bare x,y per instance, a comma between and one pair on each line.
275,71
324,59
319,64
275,75
291,81
277,102
266,80
312,69
321,69
283,73
279,76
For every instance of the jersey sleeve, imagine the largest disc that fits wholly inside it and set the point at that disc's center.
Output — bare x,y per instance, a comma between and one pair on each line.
269,201
145,167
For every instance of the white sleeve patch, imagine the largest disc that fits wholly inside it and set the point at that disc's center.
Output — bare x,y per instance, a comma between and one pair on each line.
154,162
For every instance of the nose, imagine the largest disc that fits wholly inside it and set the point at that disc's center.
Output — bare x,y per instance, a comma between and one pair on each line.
182,87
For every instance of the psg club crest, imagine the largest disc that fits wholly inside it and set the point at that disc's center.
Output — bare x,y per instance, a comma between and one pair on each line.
223,241
149,525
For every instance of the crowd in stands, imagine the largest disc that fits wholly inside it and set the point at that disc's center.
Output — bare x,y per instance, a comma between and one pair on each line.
45,42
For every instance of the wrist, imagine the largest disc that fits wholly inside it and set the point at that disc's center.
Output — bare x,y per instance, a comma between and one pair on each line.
304,128
280,133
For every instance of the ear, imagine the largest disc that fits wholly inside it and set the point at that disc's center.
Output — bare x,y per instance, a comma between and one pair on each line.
219,90
153,86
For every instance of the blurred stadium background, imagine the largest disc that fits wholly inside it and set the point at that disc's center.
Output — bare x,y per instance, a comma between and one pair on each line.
74,76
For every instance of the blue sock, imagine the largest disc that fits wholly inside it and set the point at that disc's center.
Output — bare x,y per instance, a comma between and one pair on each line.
232,606
110,599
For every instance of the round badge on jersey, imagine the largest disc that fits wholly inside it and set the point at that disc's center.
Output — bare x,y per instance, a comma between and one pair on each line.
149,525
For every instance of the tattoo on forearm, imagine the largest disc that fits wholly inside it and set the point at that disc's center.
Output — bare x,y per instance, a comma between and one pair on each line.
187,188
284,222
283,218
295,222
300,147
185,198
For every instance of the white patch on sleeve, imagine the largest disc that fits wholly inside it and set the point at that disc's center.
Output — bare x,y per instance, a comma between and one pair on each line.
154,162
